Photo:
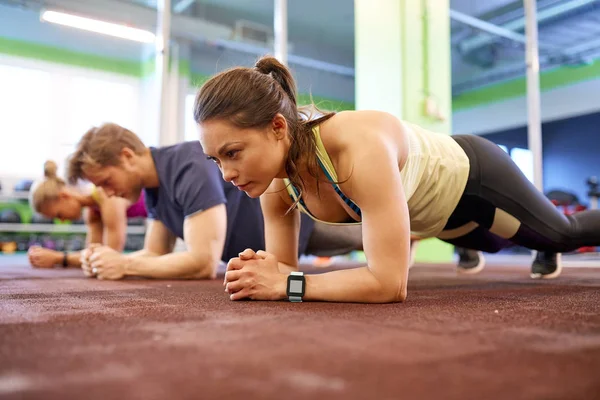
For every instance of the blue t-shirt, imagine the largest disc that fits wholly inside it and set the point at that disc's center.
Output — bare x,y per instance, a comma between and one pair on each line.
189,183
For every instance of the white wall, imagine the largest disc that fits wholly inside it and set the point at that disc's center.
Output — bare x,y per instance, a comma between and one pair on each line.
559,103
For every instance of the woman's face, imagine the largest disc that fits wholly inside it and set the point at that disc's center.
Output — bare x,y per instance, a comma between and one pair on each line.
65,207
249,158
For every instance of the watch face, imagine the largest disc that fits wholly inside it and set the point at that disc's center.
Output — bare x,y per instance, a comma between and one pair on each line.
295,286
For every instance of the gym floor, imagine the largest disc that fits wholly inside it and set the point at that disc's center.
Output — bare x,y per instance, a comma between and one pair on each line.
494,335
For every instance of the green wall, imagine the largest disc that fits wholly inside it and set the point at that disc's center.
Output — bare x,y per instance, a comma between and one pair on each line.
426,62
427,74
403,59
550,79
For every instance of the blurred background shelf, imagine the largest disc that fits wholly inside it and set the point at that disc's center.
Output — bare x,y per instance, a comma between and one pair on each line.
54,228
14,196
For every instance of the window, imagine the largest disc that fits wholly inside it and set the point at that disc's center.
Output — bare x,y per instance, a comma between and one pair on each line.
524,160
95,101
26,98
50,107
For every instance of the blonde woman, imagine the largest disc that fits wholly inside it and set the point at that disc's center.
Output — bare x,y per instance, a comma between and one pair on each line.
105,217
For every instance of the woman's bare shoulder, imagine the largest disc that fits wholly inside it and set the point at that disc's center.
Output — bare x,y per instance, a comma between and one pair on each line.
368,117
351,127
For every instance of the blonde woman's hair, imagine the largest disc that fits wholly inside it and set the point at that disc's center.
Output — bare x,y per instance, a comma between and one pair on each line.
47,189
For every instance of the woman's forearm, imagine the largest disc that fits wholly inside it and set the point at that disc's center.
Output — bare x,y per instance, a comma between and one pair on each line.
358,285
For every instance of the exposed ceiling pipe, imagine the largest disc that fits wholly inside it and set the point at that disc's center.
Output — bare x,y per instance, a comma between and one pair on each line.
291,58
508,71
182,5
583,47
578,55
547,13
497,16
513,11
491,28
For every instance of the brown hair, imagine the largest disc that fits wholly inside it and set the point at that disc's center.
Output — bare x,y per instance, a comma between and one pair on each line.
46,190
100,147
251,97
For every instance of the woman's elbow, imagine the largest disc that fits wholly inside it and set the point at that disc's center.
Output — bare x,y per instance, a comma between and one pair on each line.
395,292
401,294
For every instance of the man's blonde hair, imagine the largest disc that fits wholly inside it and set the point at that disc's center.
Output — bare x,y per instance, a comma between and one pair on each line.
100,147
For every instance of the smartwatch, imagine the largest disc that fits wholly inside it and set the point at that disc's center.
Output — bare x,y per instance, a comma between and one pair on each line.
296,284
65,262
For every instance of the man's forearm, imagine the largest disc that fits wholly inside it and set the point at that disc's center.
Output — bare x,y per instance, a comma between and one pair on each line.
143,253
183,265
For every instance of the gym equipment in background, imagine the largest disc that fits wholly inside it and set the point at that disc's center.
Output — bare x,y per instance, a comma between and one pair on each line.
59,244
48,243
136,221
134,242
76,243
10,216
22,243
570,204
593,192
9,247
34,240
24,185
40,219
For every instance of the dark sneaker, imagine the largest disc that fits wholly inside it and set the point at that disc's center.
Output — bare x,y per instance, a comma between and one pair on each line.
546,265
469,261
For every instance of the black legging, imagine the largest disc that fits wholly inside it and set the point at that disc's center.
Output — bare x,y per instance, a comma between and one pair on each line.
494,182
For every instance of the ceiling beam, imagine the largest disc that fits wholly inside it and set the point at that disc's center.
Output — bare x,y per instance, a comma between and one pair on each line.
481,40
493,29
182,5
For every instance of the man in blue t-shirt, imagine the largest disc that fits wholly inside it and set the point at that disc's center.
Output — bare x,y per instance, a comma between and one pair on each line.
185,198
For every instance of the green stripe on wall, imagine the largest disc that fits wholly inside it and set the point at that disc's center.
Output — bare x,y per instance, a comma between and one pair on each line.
551,79
36,51
325,104
184,68
147,67
197,80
